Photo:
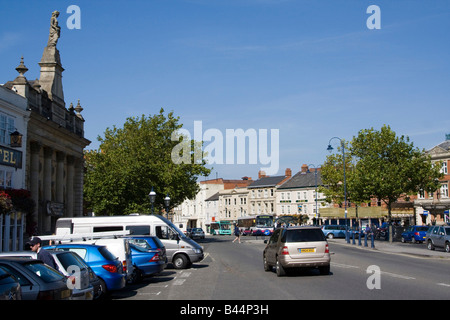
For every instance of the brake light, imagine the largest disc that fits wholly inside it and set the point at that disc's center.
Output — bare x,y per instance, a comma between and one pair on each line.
124,266
327,250
154,258
416,233
110,267
285,251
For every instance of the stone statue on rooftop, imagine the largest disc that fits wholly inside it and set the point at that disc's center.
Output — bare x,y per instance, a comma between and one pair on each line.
55,30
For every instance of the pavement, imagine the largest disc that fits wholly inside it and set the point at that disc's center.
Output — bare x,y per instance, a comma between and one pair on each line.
417,250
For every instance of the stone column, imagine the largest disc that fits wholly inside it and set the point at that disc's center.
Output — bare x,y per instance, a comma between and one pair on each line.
70,186
78,188
47,188
60,157
35,148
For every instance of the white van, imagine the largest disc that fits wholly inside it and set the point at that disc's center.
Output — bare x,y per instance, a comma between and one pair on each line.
181,251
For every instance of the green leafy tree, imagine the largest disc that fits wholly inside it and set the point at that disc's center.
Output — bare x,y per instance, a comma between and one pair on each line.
390,167
384,166
134,159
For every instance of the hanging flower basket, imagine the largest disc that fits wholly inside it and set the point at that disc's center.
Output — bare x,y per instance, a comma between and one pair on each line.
6,204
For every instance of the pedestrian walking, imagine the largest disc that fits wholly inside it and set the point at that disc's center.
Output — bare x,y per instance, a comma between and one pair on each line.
237,233
43,255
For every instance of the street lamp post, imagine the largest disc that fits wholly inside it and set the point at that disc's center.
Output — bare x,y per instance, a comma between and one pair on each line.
152,196
167,204
330,148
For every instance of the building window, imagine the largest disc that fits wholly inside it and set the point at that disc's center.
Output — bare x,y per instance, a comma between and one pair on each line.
6,128
421,194
444,191
444,169
5,178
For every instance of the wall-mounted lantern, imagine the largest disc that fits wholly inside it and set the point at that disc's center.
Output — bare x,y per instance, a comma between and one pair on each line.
16,139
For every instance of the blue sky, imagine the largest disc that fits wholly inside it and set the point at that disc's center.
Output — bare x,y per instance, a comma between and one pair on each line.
309,68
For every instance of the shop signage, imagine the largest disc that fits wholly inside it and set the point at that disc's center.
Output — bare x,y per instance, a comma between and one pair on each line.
10,157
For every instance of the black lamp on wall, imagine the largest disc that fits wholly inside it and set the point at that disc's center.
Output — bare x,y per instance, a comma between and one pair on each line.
16,139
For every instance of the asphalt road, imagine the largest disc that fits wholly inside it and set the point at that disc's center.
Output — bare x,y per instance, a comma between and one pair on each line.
233,271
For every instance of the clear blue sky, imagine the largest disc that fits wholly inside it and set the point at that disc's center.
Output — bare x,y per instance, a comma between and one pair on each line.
309,68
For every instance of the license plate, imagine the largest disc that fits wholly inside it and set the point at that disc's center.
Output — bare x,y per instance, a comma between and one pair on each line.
307,250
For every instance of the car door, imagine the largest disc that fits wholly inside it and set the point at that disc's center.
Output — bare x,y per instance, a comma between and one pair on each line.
440,237
271,248
29,288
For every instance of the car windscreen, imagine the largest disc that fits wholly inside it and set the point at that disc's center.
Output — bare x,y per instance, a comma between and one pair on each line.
44,272
303,235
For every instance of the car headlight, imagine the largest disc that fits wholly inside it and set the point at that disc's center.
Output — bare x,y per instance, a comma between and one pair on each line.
197,251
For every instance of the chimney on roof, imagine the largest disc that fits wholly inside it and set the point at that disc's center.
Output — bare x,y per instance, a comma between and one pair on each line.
447,136
304,169
288,173
261,174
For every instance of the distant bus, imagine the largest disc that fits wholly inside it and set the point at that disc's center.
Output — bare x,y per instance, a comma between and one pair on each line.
256,225
220,227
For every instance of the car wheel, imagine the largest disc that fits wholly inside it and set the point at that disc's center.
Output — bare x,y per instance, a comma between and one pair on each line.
447,247
324,270
430,245
403,240
180,261
280,270
330,236
413,240
266,265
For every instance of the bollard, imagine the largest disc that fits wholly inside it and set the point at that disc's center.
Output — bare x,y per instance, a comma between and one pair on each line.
353,238
365,239
359,238
372,241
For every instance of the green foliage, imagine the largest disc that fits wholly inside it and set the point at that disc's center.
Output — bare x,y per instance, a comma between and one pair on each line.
133,159
380,165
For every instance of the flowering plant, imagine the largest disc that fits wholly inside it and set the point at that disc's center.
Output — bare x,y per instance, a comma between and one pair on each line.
6,204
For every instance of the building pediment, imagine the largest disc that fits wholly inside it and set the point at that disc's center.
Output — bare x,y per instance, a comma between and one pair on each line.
437,150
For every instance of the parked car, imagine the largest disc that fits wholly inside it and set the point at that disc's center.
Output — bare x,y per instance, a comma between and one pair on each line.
68,263
9,286
105,265
149,243
297,247
197,233
333,231
414,234
147,262
438,236
37,280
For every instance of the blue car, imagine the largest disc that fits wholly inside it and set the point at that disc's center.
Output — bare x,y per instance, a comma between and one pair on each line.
415,234
105,265
146,262
333,231
149,243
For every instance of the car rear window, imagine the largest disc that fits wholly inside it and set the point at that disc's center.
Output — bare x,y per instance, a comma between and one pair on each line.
303,235
68,259
421,228
106,253
44,272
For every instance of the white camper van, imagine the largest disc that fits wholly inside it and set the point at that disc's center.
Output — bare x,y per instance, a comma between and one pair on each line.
181,251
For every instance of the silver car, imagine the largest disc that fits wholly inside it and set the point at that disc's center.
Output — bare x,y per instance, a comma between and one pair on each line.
70,265
297,247
438,236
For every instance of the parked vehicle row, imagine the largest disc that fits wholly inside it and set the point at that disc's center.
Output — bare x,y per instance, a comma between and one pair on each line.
90,265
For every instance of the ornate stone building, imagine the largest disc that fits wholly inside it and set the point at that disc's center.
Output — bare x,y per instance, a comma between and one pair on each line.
55,140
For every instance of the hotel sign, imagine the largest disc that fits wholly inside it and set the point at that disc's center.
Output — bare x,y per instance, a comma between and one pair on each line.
10,157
